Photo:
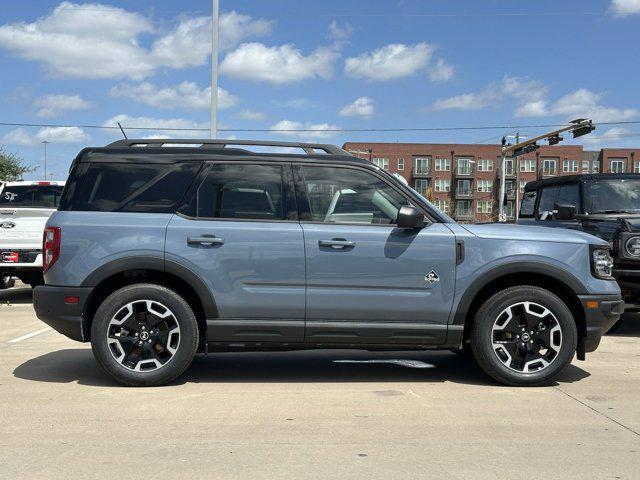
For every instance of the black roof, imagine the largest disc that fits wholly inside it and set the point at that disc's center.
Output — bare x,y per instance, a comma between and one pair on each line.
566,179
176,150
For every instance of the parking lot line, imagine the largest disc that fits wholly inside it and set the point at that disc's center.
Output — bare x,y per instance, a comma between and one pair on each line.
29,335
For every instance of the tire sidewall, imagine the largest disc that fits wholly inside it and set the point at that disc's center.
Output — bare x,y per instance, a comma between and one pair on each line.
482,343
187,344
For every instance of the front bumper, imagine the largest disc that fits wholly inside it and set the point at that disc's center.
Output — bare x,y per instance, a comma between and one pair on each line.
52,308
601,313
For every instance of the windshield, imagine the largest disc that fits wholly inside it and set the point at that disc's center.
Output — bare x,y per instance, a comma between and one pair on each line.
613,196
31,196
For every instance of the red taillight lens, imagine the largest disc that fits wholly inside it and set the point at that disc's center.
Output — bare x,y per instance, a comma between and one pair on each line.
50,247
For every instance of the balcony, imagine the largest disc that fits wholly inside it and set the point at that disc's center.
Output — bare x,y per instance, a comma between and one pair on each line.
421,172
464,193
549,173
465,215
509,172
466,171
511,194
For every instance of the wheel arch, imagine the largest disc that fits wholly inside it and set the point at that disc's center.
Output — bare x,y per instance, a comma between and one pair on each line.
558,281
129,271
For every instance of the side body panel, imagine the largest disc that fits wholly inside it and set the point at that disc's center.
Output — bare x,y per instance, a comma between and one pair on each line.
92,239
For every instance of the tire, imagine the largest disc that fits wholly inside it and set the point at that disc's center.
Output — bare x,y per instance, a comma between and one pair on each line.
6,281
497,337
144,335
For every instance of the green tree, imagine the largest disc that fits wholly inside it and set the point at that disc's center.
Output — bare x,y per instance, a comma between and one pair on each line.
12,167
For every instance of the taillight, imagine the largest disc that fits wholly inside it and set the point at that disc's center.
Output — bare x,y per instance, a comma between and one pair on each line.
50,247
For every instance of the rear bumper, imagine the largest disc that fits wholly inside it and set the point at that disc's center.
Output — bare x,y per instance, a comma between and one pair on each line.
51,307
600,317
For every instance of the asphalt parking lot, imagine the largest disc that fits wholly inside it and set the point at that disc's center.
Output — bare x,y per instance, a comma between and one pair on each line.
310,414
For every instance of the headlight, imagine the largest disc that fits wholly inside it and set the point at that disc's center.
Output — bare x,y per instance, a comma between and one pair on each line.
633,246
602,263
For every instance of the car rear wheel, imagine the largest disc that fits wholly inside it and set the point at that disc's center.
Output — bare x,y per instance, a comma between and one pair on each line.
144,335
523,336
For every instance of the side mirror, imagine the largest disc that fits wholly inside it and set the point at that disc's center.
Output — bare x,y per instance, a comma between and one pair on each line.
564,212
410,217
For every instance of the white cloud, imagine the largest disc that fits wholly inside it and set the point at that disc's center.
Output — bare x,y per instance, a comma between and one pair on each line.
251,115
186,95
189,44
580,103
389,62
21,136
311,131
340,32
93,40
54,105
278,65
520,90
160,127
361,107
441,71
625,7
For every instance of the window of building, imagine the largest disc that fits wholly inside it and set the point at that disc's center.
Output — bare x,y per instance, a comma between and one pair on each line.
463,208
443,185
344,195
595,166
510,209
636,166
508,167
421,165
618,165
401,164
549,166
442,205
485,165
463,187
422,186
484,206
585,166
443,164
510,187
465,166
382,163
527,165
485,185
570,166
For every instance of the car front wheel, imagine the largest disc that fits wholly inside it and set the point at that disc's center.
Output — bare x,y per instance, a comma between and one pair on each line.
144,335
524,336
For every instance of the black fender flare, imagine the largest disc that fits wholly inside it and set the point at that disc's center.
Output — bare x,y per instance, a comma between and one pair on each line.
512,268
157,263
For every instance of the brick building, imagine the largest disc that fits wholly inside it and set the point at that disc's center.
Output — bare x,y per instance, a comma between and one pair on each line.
463,179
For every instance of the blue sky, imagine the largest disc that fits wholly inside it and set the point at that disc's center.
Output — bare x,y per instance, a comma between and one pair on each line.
330,65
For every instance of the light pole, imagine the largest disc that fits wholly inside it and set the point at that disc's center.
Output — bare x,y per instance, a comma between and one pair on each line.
45,143
214,70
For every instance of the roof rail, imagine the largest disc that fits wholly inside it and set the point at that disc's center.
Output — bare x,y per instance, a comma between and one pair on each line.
308,148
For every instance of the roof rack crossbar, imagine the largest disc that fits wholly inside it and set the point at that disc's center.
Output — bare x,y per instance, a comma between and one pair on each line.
308,148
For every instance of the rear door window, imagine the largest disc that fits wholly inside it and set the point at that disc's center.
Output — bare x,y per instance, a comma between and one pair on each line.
31,196
239,191
528,204
129,187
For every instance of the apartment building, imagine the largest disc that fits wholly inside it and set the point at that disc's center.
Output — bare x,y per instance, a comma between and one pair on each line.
463,179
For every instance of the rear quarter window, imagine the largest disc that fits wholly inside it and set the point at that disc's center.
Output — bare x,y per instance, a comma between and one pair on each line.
528,206
132,187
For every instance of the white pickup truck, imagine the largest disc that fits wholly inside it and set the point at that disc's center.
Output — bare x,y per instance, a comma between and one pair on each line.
24,210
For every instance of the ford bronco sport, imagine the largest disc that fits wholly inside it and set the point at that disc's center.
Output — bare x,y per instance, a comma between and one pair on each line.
161,249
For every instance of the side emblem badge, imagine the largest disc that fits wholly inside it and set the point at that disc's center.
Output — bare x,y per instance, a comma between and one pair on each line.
431,277
7,225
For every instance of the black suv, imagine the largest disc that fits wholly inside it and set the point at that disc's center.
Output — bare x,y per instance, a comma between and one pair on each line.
606,205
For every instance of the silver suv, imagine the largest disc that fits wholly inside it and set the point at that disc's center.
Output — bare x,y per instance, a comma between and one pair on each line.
161,249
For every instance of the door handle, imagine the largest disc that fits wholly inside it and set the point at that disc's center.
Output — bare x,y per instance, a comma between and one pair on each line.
207,240
337,243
